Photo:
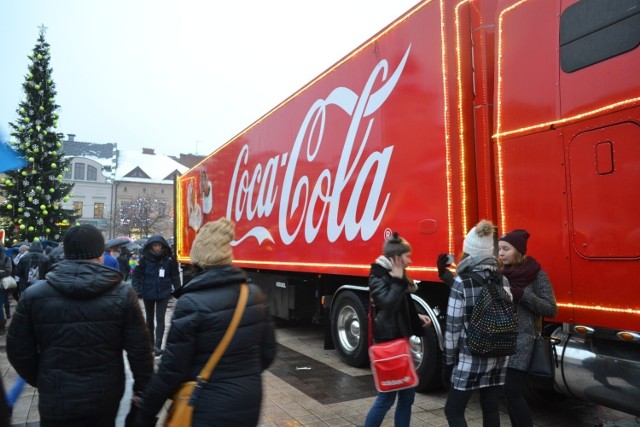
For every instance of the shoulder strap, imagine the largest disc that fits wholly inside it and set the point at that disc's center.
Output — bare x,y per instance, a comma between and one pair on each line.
231,330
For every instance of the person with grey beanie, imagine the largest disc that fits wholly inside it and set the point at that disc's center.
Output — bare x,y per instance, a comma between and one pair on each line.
394,316
69,332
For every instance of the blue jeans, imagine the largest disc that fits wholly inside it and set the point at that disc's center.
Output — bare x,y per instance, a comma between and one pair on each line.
383,403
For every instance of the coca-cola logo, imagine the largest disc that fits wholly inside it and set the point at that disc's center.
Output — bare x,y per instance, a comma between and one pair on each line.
308,203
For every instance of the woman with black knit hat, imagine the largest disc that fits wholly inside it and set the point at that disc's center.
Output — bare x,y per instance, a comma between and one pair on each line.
233,394
394,316
532,291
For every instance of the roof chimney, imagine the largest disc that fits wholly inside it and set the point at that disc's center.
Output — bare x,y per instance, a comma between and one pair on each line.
148,151
71,137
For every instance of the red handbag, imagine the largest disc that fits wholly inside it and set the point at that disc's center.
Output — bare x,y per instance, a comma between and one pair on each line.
392,365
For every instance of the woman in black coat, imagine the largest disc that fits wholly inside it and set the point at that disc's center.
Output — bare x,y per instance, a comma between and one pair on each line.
233,394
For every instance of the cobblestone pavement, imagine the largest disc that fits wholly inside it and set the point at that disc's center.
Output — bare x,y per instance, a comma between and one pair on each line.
310,386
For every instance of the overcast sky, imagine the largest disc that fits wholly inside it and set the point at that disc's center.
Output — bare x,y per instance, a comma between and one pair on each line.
181,76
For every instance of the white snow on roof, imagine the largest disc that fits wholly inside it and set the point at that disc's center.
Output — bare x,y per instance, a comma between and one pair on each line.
104,162
156,166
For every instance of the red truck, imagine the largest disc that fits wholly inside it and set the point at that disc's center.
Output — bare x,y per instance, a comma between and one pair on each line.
523,112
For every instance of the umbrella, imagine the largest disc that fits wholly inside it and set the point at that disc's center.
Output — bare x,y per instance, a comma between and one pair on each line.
10,160
118,241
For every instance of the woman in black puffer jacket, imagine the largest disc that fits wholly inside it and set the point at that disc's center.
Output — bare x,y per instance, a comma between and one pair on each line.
233,394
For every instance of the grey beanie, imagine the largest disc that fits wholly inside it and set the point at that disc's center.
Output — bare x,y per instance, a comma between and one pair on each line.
395,245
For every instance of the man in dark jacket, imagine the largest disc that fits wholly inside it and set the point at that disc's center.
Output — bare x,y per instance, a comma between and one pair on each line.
68,335
155,275
32,266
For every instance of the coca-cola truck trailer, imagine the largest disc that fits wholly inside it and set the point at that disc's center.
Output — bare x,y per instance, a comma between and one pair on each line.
524,112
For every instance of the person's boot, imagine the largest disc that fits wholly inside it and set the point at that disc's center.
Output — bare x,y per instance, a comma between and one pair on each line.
3,324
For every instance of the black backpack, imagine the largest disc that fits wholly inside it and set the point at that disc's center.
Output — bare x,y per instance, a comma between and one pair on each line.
493,323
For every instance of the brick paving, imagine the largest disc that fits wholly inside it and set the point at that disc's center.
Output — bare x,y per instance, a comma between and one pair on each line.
310,386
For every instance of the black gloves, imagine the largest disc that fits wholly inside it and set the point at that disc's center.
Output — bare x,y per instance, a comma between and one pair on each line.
447,371
443,272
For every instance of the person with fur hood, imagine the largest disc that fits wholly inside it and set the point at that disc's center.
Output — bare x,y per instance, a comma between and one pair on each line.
394,316
206,303
154,276
463,372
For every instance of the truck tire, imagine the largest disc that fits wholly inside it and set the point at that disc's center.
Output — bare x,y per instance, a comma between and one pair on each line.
350,328
428,358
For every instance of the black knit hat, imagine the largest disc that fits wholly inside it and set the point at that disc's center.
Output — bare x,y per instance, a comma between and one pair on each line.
518,239
395,245
83,242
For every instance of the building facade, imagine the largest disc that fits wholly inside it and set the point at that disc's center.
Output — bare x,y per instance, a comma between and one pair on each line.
122,192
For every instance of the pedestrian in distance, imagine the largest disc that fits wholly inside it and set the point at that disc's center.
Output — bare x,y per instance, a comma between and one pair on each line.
32,266
463,372
110,257
154,277
233,394
123,262
69,332
394,316
6,270
532,291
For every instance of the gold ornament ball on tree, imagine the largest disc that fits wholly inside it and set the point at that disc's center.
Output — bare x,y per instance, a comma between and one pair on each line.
30,228
43,207
52,190
53,166
22,227
20,210
9,206
24,173
7,181
30,159
48,230
45,212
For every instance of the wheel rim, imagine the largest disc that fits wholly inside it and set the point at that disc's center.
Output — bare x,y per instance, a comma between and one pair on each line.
417,349
348,329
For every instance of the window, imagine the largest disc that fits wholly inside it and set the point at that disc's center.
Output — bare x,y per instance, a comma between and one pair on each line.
124,190
144,190
98,209
92,173
78,172
162,191
592,31
77,206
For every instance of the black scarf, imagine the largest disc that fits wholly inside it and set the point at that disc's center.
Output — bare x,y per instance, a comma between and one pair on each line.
521,276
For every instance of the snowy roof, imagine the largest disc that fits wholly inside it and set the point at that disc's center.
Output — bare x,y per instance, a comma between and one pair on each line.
135,166
101,153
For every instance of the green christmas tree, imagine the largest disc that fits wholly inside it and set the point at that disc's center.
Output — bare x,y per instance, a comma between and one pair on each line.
34,195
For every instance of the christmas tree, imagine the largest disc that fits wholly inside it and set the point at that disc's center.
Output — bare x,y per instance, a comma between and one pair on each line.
34,194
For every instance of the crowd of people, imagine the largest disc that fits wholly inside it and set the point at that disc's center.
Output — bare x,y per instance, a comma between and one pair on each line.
77,312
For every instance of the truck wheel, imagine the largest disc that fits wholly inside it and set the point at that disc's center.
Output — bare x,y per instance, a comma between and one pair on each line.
349,328
428,359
